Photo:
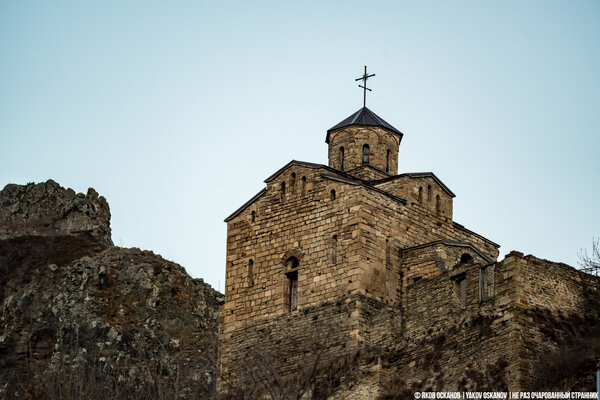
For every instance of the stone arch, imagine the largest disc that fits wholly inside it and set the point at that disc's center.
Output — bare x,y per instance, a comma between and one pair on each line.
291,254
466,258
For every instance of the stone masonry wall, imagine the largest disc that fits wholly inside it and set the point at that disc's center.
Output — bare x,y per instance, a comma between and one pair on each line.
347,239
539,311
306,224
381,143
428,261
386,228
557,308
409,187
288,343
477,344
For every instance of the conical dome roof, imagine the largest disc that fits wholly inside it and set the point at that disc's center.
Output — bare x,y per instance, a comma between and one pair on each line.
364,117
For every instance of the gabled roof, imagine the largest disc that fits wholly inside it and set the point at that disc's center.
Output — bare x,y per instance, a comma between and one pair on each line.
332,174
415,175
364,117
275,175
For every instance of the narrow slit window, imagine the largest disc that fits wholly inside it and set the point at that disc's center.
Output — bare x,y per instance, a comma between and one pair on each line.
334,240
293,289
387,252
429,193
462,287
387,161
250,273
293,183
438,206
253,216
341,158
460,282
420,195
303,184
282,192
332,194
365,158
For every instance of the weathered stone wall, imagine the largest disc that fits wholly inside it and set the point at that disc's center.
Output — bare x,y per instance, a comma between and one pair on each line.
383,148
367,173
557,310
288,343
306,223
422,190
539,312
347,237
449,347
387,227
429,260
418,290
47,209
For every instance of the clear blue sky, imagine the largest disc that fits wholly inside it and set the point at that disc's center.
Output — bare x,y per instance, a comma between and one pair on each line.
177,111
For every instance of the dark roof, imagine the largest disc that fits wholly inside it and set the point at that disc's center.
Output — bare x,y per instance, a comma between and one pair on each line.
364,117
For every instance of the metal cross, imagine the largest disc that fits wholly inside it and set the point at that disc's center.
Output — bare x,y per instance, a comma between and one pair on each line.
364,85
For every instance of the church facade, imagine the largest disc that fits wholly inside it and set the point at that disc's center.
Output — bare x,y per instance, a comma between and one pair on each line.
352,255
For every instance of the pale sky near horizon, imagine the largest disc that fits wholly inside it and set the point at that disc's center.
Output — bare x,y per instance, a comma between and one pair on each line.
177,111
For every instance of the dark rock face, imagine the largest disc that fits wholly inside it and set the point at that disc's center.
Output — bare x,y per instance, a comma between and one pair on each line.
80,318
47,209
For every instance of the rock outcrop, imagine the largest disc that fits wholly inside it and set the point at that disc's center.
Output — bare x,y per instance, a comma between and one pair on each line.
81,318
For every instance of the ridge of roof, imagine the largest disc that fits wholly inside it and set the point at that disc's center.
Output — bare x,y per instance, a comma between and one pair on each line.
462,227
365,184
246,204
334,174
371,167
415,175
310,165
364,117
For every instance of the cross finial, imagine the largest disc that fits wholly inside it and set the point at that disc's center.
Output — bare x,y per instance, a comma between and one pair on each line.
364,85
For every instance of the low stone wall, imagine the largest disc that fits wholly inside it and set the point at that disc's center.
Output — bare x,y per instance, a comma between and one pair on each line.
289,343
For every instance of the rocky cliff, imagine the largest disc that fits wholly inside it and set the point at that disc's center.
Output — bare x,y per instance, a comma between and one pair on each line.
81,318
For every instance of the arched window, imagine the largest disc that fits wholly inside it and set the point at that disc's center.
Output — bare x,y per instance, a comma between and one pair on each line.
253,216
292,263
387,161
438,206
293,183
420,194
282,192
332,194
365,159
465,258
429,193
303,184
250,273
342,158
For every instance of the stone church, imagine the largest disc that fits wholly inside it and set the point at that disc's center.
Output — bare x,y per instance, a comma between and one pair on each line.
359,256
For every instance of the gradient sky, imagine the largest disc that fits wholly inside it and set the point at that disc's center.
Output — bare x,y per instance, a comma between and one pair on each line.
177,111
